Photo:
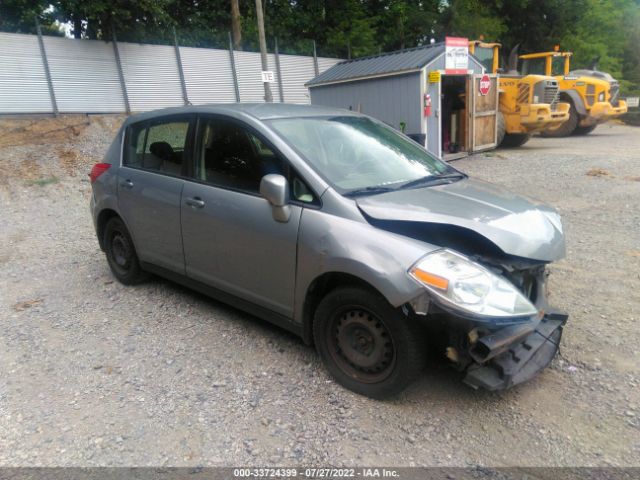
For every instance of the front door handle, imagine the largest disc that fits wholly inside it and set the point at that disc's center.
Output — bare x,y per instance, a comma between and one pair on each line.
195,202
127,184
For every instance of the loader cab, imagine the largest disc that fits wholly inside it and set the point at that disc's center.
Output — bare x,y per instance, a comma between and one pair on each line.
487,53
554,64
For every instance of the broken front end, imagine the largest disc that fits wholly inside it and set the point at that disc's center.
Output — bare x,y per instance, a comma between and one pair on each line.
490,315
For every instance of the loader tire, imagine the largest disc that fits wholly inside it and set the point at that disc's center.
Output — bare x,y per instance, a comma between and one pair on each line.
501,129
514,140
567,128
584,130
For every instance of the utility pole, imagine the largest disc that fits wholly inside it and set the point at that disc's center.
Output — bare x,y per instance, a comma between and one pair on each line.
263,50
235,25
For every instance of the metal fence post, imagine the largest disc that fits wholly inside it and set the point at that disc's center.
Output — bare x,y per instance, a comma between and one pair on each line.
280,89
183,84
315,59
47,72
233,70
123,85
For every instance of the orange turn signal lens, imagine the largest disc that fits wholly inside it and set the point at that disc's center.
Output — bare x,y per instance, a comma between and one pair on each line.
431,279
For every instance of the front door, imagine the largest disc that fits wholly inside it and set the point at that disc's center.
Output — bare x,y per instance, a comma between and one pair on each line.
231,240
483,93
150,184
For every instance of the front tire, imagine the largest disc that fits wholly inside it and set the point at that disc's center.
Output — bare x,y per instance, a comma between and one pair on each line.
501,129
121,254
514,140
584,130
367,345
567,128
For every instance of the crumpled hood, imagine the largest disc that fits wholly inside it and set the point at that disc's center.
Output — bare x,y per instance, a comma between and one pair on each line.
517,225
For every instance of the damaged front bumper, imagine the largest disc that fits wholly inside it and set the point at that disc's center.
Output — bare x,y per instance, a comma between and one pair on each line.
496,353
515,354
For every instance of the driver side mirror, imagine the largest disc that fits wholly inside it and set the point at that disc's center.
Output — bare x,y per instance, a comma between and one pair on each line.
275,188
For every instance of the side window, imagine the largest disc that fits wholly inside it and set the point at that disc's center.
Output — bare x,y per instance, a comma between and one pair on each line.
533,66
158,146
234,157
300,191
231,156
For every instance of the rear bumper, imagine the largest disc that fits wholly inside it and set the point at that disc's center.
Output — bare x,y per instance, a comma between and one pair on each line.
600,112
519,361
538,117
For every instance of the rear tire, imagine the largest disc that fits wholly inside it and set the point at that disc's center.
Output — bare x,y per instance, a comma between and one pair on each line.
121,254
567,128
513,140
584,130
367,345
501,129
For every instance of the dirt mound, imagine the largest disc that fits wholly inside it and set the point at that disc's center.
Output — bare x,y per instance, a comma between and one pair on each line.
44,149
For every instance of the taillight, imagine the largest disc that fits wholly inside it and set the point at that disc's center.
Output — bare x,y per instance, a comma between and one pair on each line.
97,170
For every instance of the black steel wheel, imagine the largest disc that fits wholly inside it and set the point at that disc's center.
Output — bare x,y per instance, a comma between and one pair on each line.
121,253
361,344
366,344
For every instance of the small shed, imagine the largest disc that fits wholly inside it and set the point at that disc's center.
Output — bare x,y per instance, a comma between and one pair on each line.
437,94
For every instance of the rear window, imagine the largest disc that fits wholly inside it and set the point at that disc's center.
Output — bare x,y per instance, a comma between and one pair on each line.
160,145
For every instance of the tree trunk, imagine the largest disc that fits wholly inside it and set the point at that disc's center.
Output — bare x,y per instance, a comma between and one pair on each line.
235,25
263,50
77,26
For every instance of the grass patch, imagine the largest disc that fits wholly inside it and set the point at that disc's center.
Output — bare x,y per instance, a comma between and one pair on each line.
41,182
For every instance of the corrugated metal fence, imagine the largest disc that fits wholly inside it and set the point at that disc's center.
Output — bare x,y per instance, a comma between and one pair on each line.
85,76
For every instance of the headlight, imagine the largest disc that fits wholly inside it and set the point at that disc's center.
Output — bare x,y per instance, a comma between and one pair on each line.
601,97
469,286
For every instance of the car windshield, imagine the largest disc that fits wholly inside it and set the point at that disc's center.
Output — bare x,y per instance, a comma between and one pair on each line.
355,153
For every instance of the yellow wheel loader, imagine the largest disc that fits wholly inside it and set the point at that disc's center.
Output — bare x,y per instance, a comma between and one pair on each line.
528,103
592,94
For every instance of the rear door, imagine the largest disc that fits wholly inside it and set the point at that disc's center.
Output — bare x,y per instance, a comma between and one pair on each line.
483,112
156,159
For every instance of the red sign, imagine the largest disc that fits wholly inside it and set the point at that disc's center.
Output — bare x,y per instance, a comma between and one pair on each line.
456,55
485,85
456,42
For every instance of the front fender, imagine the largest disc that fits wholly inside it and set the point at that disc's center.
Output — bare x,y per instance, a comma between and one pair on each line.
577,101
332,244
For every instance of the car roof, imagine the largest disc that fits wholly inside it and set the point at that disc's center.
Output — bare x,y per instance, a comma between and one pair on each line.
261,111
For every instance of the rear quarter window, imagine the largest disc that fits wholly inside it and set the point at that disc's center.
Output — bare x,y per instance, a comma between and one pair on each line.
159,145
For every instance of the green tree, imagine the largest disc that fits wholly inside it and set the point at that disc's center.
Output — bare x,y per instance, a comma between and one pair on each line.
19,16
142,20
472,18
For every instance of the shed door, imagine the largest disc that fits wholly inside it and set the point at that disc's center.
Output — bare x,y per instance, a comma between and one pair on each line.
483,113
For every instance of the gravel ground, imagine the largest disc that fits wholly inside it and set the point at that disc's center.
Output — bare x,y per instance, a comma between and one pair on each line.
95,373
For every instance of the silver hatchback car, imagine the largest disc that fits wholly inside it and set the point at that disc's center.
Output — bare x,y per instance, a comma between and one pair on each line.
334,226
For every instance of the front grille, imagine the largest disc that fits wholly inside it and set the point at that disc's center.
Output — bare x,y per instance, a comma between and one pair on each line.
551,95
615,92
591,94
523,93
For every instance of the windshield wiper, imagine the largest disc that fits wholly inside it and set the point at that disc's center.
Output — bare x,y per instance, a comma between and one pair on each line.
372,190
433,179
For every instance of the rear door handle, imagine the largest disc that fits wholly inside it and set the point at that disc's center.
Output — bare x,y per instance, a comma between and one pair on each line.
126,184
195,202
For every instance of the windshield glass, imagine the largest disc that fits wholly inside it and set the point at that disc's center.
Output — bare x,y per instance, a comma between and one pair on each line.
557,66
353,153
485,55
533,66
